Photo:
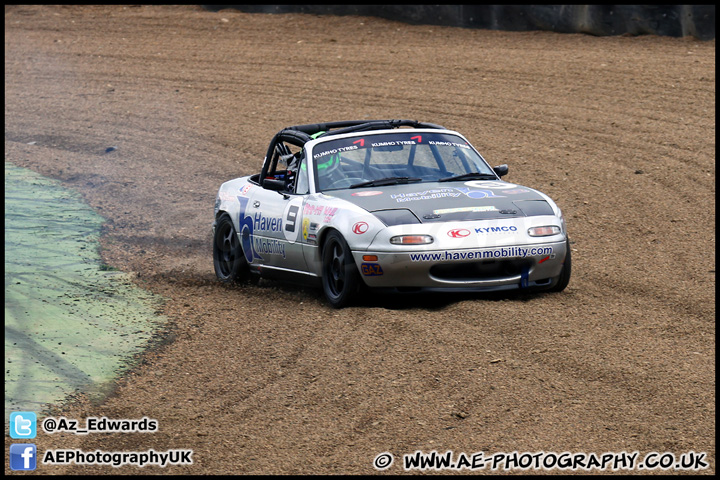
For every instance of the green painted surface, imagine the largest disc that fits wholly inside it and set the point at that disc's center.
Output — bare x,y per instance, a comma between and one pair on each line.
71,323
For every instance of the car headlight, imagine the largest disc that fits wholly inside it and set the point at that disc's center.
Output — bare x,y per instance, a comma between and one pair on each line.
411,240
544,231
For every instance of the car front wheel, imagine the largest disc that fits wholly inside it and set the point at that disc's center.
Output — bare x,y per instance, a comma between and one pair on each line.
340,277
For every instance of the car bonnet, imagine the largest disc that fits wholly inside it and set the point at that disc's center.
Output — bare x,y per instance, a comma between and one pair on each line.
443,202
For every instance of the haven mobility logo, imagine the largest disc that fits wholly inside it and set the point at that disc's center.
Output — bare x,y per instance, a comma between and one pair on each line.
245,224
23,456
23,425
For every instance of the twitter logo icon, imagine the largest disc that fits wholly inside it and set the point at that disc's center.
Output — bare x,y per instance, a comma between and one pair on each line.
23,425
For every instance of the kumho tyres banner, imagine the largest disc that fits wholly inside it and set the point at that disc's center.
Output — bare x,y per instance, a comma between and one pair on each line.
666,20
70,321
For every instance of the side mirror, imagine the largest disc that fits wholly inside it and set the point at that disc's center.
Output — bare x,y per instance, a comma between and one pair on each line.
501,170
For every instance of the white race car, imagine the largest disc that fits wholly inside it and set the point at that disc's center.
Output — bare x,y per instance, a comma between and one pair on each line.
386,204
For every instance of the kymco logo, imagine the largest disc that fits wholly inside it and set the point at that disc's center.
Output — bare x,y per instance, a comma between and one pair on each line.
458,233
359,228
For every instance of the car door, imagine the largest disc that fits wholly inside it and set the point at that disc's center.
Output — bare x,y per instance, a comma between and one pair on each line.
274,222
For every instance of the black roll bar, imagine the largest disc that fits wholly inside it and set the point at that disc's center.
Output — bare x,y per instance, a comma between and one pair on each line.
299,135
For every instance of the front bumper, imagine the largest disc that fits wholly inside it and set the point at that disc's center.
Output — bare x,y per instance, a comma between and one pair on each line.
496,268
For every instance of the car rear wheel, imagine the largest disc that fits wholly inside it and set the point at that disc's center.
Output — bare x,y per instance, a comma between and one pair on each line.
340,277
564,277
228,257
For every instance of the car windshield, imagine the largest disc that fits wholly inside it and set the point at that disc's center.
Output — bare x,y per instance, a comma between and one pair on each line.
398,157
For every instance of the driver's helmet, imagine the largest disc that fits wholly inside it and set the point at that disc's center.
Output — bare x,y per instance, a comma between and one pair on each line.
327,167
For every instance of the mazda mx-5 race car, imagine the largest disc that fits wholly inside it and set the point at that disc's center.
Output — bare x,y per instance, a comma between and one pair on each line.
387,204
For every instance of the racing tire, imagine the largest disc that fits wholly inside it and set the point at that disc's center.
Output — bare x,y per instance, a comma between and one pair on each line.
564,277
340,278
228,257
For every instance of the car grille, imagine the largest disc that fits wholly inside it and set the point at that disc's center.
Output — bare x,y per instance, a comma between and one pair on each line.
485,270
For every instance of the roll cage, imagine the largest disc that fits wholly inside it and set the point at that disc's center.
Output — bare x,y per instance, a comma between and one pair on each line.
279,149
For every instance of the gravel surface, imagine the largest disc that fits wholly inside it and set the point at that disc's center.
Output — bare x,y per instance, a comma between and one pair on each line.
269,379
